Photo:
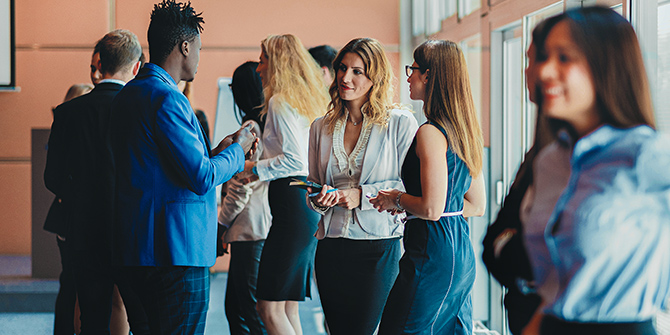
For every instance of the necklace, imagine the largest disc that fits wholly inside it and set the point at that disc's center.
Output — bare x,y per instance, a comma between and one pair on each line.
355,123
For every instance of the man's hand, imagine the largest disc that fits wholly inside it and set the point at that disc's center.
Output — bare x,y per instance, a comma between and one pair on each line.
247,140
228,140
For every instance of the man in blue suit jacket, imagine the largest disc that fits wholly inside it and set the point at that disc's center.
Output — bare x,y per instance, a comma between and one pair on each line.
165,221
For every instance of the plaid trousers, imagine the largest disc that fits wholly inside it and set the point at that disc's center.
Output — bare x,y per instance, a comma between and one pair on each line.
175,298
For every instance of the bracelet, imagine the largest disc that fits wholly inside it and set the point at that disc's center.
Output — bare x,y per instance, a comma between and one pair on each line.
254,170
397,201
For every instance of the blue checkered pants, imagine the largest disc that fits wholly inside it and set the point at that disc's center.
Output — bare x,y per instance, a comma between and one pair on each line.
175,298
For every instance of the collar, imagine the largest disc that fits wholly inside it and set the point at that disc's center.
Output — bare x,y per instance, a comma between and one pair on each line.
160,72
112,81
603,137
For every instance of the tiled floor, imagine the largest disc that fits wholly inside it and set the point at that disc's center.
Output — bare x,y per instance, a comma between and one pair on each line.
13,271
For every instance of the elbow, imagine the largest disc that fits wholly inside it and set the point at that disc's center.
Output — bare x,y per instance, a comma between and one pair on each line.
478,210
433,214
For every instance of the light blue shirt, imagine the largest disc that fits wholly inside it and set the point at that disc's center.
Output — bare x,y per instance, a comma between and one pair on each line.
609,235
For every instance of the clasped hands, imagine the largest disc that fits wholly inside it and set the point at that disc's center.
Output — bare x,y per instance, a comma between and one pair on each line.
349,198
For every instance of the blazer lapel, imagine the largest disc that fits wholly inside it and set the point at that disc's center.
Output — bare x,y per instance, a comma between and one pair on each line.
376,144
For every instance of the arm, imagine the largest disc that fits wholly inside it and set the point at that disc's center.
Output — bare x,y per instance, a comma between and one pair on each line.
55,172
474,203
235,201
179,142
405,130
433,178
314,166
288,129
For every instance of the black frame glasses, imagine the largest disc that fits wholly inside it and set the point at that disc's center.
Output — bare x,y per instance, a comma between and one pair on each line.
409,69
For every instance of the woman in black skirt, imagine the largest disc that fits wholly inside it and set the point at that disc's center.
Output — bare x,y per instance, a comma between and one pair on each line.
294,97
358,148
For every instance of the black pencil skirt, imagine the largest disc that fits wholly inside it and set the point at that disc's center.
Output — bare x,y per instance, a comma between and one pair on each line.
287,259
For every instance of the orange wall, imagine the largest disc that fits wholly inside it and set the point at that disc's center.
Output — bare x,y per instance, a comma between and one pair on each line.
54,41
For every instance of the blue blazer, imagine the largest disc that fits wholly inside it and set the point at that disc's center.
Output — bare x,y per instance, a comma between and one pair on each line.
165,178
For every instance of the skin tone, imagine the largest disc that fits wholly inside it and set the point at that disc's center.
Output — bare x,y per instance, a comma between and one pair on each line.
96,75
566,82
417,83
430,140
354,87
182,64
530,71
327,78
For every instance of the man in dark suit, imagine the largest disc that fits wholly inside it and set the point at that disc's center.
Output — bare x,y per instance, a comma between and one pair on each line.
79,171
166,178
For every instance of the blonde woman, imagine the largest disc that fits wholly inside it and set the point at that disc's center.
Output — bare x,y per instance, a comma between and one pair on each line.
294,97
358,148
443,177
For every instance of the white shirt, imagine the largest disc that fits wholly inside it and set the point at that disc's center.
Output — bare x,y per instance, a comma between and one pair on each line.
286,139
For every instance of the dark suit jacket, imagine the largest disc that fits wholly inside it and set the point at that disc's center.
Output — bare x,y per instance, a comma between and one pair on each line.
79,170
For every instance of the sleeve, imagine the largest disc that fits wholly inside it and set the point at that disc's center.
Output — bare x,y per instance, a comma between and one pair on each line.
405,131
180,143
55,172
288,129
235,201
314,164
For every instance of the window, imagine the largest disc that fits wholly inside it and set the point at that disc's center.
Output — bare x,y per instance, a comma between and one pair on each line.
466,7
472,51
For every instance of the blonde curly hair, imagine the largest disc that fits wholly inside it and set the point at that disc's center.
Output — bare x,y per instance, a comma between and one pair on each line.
294,76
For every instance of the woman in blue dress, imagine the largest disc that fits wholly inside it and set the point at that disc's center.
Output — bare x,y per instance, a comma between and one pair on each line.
432,292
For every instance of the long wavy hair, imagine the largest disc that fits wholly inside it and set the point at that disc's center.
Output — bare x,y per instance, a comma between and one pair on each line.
449,101
294,76
378,70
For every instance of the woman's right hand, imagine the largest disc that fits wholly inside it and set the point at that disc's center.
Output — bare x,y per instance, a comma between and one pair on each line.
325,199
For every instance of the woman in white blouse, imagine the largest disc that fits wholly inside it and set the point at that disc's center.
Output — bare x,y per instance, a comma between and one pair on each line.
294,97
358,148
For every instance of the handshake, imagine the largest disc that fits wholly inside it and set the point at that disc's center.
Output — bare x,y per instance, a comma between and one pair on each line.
245,137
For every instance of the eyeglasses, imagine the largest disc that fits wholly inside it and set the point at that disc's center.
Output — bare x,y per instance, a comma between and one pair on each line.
409,69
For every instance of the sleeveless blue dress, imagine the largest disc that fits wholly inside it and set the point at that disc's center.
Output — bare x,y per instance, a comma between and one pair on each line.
432,292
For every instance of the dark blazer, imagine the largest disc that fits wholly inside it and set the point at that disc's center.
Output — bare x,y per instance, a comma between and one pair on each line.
79,170
165,178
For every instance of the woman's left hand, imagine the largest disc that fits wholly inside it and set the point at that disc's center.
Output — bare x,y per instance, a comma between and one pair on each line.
350,198
385,201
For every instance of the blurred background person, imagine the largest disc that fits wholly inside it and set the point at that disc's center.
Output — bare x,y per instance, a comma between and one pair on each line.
294,96
358,148
324,56
607,236
521,221
437,271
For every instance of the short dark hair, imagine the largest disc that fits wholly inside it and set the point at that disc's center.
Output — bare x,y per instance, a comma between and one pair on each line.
324,55
118,50
171,23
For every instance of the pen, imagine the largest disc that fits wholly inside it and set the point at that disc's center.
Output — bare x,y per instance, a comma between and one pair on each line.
317,193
